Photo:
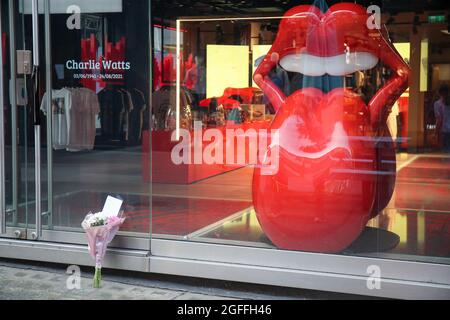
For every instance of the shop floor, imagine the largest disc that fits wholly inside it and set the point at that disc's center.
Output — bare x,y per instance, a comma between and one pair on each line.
178,216
421,233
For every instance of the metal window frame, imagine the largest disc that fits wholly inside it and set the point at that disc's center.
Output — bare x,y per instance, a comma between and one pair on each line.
2,144
344,274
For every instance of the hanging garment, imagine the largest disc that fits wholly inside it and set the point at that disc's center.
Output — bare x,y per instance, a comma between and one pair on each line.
128,107
111,107
164,108
137,116
85,108
191,78
61,105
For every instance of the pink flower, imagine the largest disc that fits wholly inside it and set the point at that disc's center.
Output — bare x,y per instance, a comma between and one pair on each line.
113,220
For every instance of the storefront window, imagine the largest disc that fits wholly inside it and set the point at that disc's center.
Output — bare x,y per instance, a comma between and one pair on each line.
311,127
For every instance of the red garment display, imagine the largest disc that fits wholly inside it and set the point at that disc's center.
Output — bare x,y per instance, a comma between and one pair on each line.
169,69
89,48
246,94
191,79
115,52
225,102
157,75
189,62
336,157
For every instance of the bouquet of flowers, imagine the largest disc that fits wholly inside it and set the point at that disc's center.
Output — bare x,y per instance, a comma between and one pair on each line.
100,229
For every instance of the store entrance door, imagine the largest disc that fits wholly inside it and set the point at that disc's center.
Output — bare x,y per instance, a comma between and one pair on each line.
71,132
20,131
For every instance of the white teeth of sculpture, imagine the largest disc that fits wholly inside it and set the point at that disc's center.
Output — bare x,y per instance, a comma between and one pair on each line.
338,65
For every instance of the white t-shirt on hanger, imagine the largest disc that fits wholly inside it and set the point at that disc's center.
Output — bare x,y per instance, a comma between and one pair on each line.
61,104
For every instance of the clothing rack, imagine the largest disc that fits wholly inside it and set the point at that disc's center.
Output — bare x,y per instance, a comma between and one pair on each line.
121,116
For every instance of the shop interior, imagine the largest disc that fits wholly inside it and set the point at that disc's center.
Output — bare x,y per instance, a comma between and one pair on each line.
128,152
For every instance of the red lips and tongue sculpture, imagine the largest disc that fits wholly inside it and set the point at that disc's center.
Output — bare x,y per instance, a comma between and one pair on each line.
336,167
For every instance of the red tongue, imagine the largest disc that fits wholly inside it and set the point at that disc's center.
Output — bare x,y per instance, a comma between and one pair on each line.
321,196
320,112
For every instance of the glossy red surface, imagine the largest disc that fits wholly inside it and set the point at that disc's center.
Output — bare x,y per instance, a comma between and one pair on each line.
334,151
386,170
246,95
227,103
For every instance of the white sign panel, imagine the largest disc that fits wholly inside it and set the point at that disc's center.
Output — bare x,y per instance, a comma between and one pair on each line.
112,206
86,6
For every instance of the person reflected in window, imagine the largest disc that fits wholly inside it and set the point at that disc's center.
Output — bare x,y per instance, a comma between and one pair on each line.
442,114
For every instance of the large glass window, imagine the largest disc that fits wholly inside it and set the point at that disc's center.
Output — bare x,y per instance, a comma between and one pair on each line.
317,128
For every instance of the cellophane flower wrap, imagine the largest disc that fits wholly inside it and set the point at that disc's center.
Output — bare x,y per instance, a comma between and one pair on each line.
100,230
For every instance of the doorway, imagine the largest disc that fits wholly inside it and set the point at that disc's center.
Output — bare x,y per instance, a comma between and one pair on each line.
75,96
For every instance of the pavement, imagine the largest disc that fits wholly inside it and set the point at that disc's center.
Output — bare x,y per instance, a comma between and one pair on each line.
24,280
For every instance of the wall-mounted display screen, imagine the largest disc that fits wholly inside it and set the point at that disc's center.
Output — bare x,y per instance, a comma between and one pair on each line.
226,66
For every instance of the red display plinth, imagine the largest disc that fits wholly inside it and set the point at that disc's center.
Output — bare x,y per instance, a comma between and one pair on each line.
165,170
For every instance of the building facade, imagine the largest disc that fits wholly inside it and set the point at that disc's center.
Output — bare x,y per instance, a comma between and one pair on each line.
291,143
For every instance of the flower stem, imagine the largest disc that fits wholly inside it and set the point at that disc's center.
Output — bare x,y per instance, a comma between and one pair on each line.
97,277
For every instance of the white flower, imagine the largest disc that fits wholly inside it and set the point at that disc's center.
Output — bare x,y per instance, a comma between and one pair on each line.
101,215
93,219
